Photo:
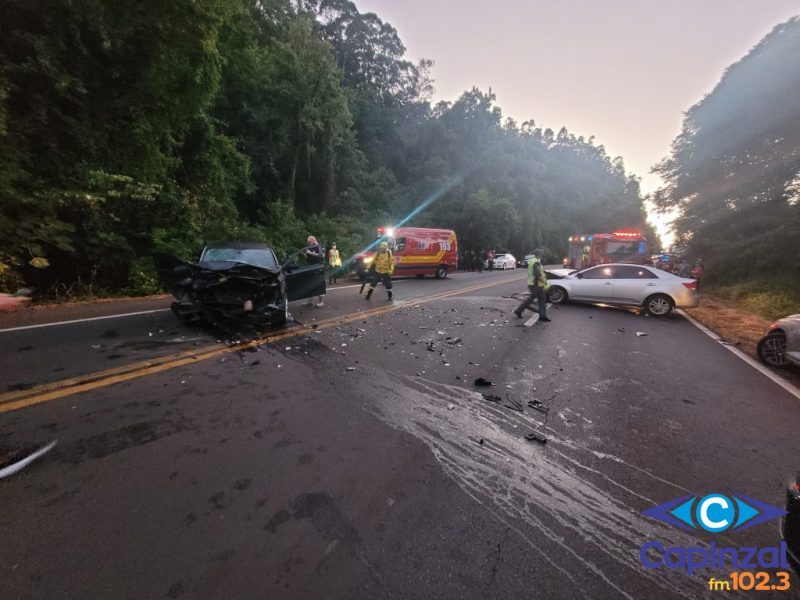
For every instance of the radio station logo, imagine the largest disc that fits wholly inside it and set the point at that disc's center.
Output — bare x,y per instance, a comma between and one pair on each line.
713,513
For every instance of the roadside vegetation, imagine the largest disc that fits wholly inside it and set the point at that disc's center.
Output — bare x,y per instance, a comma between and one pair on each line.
130,127
733,176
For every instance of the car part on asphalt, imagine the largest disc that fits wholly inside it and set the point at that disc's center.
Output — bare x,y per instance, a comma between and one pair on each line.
535,437
21,464
537,405
481,382
514,405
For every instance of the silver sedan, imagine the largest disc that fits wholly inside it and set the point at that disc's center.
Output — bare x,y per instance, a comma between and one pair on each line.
656,291
780,347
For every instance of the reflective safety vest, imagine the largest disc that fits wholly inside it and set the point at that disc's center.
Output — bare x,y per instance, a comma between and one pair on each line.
334,259
542,280
384,262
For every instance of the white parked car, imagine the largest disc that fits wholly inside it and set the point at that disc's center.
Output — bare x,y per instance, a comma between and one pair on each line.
656,291
780,347
504,261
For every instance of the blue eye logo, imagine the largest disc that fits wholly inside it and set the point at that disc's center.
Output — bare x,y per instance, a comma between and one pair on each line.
714,513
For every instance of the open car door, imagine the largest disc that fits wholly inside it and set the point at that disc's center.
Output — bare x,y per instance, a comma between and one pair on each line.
172,271
305,276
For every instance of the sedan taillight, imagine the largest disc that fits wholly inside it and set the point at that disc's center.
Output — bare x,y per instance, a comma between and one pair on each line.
691,285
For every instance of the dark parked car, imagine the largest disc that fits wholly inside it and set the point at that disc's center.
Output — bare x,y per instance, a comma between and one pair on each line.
790,525
241,282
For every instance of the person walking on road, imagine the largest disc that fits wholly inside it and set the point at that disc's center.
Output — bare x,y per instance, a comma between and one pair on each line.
381,270
334,263
537,288
316,256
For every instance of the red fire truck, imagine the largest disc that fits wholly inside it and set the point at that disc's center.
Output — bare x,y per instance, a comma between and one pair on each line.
417,251
622,246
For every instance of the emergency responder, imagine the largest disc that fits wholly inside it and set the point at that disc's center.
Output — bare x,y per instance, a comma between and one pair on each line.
381,269
537,286
334,263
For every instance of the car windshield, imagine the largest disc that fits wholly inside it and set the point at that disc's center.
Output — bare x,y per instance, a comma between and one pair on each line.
256,257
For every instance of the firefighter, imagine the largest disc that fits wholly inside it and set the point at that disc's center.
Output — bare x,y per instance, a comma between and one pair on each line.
537,286
334,263
381,270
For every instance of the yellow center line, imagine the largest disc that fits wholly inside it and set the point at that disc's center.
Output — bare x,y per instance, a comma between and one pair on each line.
16,400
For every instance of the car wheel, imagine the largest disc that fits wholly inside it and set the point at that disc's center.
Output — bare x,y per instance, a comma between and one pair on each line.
659,305
557,295
441,272
772,349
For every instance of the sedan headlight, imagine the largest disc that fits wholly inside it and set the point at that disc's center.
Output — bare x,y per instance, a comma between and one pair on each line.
367,260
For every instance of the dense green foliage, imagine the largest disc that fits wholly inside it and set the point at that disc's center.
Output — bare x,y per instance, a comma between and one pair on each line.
734,173
130,127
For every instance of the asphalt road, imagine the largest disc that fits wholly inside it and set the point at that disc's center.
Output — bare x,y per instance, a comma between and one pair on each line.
352,457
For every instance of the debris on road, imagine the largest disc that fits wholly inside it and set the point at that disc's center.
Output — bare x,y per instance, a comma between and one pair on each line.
640,334
513,404
350,369
537,405
451,406
535,437
21,464
492,398
481,382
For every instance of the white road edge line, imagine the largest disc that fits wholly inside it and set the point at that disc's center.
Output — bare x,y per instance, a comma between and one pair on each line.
777,379
40,325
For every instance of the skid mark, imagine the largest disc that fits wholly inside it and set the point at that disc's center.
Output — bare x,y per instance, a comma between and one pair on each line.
569,520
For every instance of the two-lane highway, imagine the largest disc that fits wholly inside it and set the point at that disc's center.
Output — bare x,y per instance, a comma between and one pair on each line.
87,339
356,459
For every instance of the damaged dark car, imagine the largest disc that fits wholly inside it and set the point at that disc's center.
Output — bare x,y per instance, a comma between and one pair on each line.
239,282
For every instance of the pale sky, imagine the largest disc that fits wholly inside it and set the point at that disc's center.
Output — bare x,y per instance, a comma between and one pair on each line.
621,70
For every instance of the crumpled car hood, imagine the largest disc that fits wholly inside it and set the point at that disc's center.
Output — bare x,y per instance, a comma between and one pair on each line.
219,290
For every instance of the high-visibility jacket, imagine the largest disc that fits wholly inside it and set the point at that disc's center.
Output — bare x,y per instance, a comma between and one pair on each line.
533,279
383,262
334,259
